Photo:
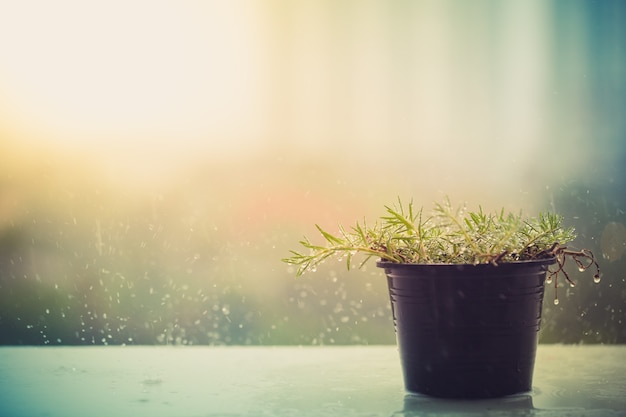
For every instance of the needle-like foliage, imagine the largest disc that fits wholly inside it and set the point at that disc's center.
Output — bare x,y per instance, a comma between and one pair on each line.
449,235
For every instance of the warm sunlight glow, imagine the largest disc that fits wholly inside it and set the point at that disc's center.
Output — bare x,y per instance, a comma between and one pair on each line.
158,158
131,75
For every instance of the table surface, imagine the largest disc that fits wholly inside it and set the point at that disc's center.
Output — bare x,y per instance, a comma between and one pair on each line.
283,381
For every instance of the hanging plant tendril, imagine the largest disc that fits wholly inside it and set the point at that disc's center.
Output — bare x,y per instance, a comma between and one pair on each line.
562,253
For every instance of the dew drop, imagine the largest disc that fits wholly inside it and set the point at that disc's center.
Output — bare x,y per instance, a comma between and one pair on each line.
556,301
549,280
596,278
581,269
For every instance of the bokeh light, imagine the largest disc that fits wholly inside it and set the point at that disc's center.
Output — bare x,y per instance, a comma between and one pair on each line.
159,158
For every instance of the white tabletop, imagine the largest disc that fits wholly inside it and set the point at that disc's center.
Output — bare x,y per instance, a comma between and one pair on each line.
283,381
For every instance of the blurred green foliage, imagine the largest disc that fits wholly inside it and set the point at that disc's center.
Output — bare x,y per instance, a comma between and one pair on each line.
514,104
81,263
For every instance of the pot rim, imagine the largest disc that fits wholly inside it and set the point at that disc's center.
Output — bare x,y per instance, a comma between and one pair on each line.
389,264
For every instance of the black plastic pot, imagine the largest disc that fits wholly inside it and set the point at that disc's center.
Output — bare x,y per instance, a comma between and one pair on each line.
467,331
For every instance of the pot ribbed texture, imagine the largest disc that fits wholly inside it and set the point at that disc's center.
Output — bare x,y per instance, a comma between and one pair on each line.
467,331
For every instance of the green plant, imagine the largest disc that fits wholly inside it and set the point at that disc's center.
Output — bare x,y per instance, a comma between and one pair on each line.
448,235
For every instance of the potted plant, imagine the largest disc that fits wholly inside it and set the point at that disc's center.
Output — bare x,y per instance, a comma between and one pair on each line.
466,290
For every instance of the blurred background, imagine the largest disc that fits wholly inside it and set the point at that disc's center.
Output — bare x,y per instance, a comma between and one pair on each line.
159,158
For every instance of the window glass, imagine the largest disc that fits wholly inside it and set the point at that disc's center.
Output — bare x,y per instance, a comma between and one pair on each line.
158,160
